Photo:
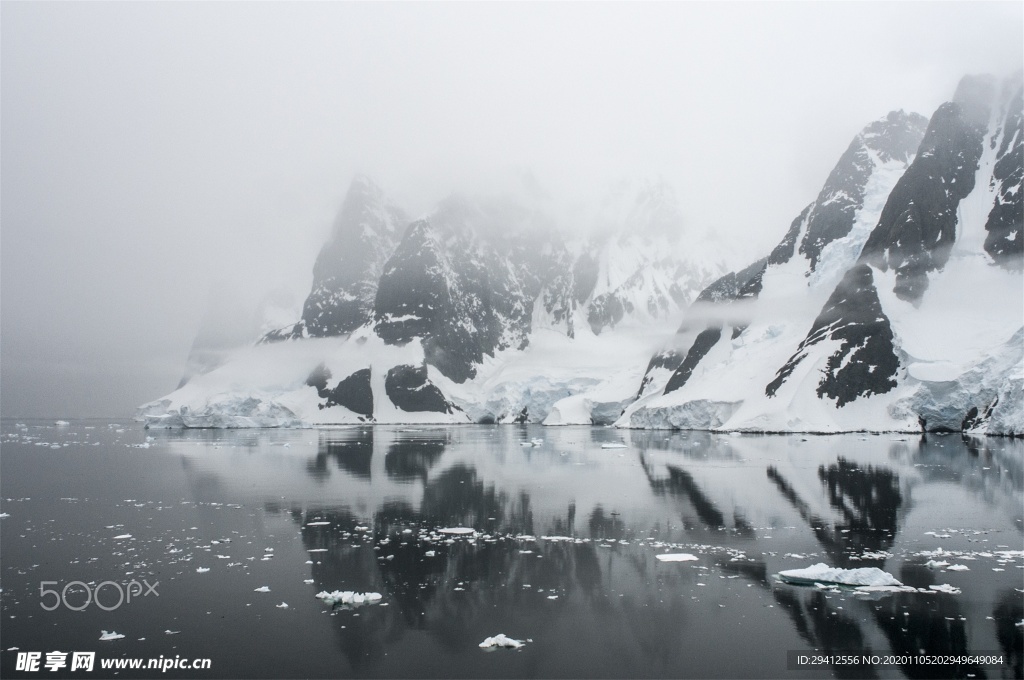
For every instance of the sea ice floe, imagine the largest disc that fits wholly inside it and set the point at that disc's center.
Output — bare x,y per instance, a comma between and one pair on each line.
612,445
348,597
958,567
317,524
456,531
945,588
261,589
122,537
501,640
283,605
112,635
676,557
822,573
202,570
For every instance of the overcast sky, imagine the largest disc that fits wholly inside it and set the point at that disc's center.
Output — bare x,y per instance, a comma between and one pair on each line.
151,150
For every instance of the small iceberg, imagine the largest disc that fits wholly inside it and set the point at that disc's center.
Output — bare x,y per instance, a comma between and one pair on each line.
822,573
676,557
612,445
202,570
112,635
501,640
62,423
456,531
348,597
261,589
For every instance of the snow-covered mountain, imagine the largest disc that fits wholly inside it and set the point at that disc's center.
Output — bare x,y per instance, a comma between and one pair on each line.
894,302
479,311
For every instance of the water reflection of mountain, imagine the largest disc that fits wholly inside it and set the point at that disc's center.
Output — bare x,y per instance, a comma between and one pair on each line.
619,607
867,501
410,458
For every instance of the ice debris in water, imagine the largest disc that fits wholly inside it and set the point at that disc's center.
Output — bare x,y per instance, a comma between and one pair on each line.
112,635
677,557
348,597
456,531
958,567
501,640
262,589
613,445
283,605
946,588
202,570
822,573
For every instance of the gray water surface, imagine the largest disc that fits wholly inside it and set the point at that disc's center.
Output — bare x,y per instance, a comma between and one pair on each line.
563,556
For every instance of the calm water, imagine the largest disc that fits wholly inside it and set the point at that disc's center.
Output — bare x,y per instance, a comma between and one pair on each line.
210,516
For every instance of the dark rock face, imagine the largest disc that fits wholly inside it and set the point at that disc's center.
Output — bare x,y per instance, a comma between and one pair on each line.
349,266
464,281
409,389
701,346
866,362
741,285
917,227
354,392
733,285
1005,224
832,213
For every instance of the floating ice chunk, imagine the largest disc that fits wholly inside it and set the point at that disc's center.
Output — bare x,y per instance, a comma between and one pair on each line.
3,515
677,557
202,570
122,536
317,550
348,597
171,632
936,564
880,555
112,635
822,573
430,553
946,588
613,445
261,589
307,581
283,605
62,423
501,640
317,524
958,567
456,531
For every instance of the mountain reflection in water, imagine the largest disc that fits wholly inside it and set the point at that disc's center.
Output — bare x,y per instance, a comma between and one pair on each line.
566,534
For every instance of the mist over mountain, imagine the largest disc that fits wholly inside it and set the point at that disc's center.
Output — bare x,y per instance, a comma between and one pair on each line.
893,302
